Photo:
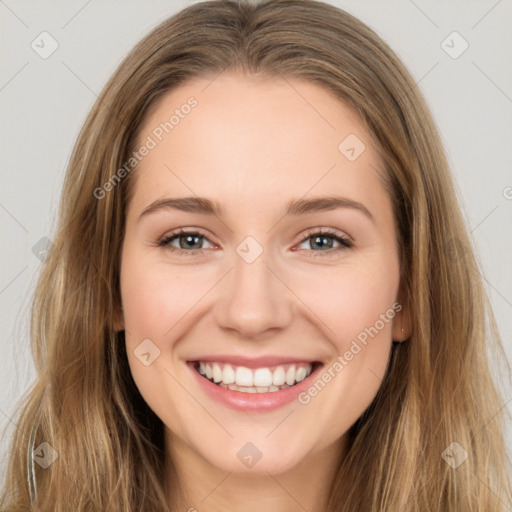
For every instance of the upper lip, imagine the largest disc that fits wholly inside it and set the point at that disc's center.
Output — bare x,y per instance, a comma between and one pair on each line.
253,362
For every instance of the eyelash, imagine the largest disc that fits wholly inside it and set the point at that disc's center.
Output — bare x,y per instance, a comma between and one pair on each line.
345,242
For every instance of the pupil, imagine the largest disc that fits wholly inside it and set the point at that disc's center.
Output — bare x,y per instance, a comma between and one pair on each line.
190,240
320,241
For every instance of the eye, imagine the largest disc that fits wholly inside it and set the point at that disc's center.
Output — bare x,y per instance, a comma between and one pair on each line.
324,240
189,242
321,242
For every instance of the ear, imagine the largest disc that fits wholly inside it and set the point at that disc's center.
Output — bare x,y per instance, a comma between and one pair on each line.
402,324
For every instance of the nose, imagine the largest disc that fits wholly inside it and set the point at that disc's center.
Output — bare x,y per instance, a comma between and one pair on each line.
254,301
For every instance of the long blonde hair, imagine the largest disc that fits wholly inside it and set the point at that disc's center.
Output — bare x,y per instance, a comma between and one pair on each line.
438,389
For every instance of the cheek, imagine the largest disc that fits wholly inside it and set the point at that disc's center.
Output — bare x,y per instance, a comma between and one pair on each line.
155,297
356,308
350,299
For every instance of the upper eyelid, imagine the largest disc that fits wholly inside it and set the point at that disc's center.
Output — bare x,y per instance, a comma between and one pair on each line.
326,231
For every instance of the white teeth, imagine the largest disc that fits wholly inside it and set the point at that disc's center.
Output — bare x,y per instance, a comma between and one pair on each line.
300,374
259,380
216,372
243,376
290,375
279,377
262,377
228,374
258,389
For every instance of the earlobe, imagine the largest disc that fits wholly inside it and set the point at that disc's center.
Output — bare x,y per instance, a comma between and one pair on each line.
118,326
119,320
401,327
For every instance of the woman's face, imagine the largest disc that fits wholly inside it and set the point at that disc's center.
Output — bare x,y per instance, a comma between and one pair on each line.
288,272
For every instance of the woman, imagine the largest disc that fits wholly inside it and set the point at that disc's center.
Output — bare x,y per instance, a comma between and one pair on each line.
253,300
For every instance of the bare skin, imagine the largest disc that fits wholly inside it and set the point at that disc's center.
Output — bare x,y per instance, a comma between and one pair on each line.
253,145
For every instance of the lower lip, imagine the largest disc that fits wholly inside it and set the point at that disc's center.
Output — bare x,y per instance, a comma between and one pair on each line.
258,402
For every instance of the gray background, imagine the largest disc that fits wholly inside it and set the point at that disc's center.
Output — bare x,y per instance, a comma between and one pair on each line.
44,103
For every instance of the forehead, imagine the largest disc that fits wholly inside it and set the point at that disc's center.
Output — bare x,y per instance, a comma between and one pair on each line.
249,137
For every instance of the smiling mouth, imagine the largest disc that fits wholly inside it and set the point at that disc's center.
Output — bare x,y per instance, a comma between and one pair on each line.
255,380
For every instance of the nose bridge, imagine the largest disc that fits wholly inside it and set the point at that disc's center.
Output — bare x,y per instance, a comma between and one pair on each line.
255,299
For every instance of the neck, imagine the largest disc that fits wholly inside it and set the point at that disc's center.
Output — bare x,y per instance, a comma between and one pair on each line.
202,486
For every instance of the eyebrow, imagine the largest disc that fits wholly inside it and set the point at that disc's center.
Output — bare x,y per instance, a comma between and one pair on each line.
206,206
